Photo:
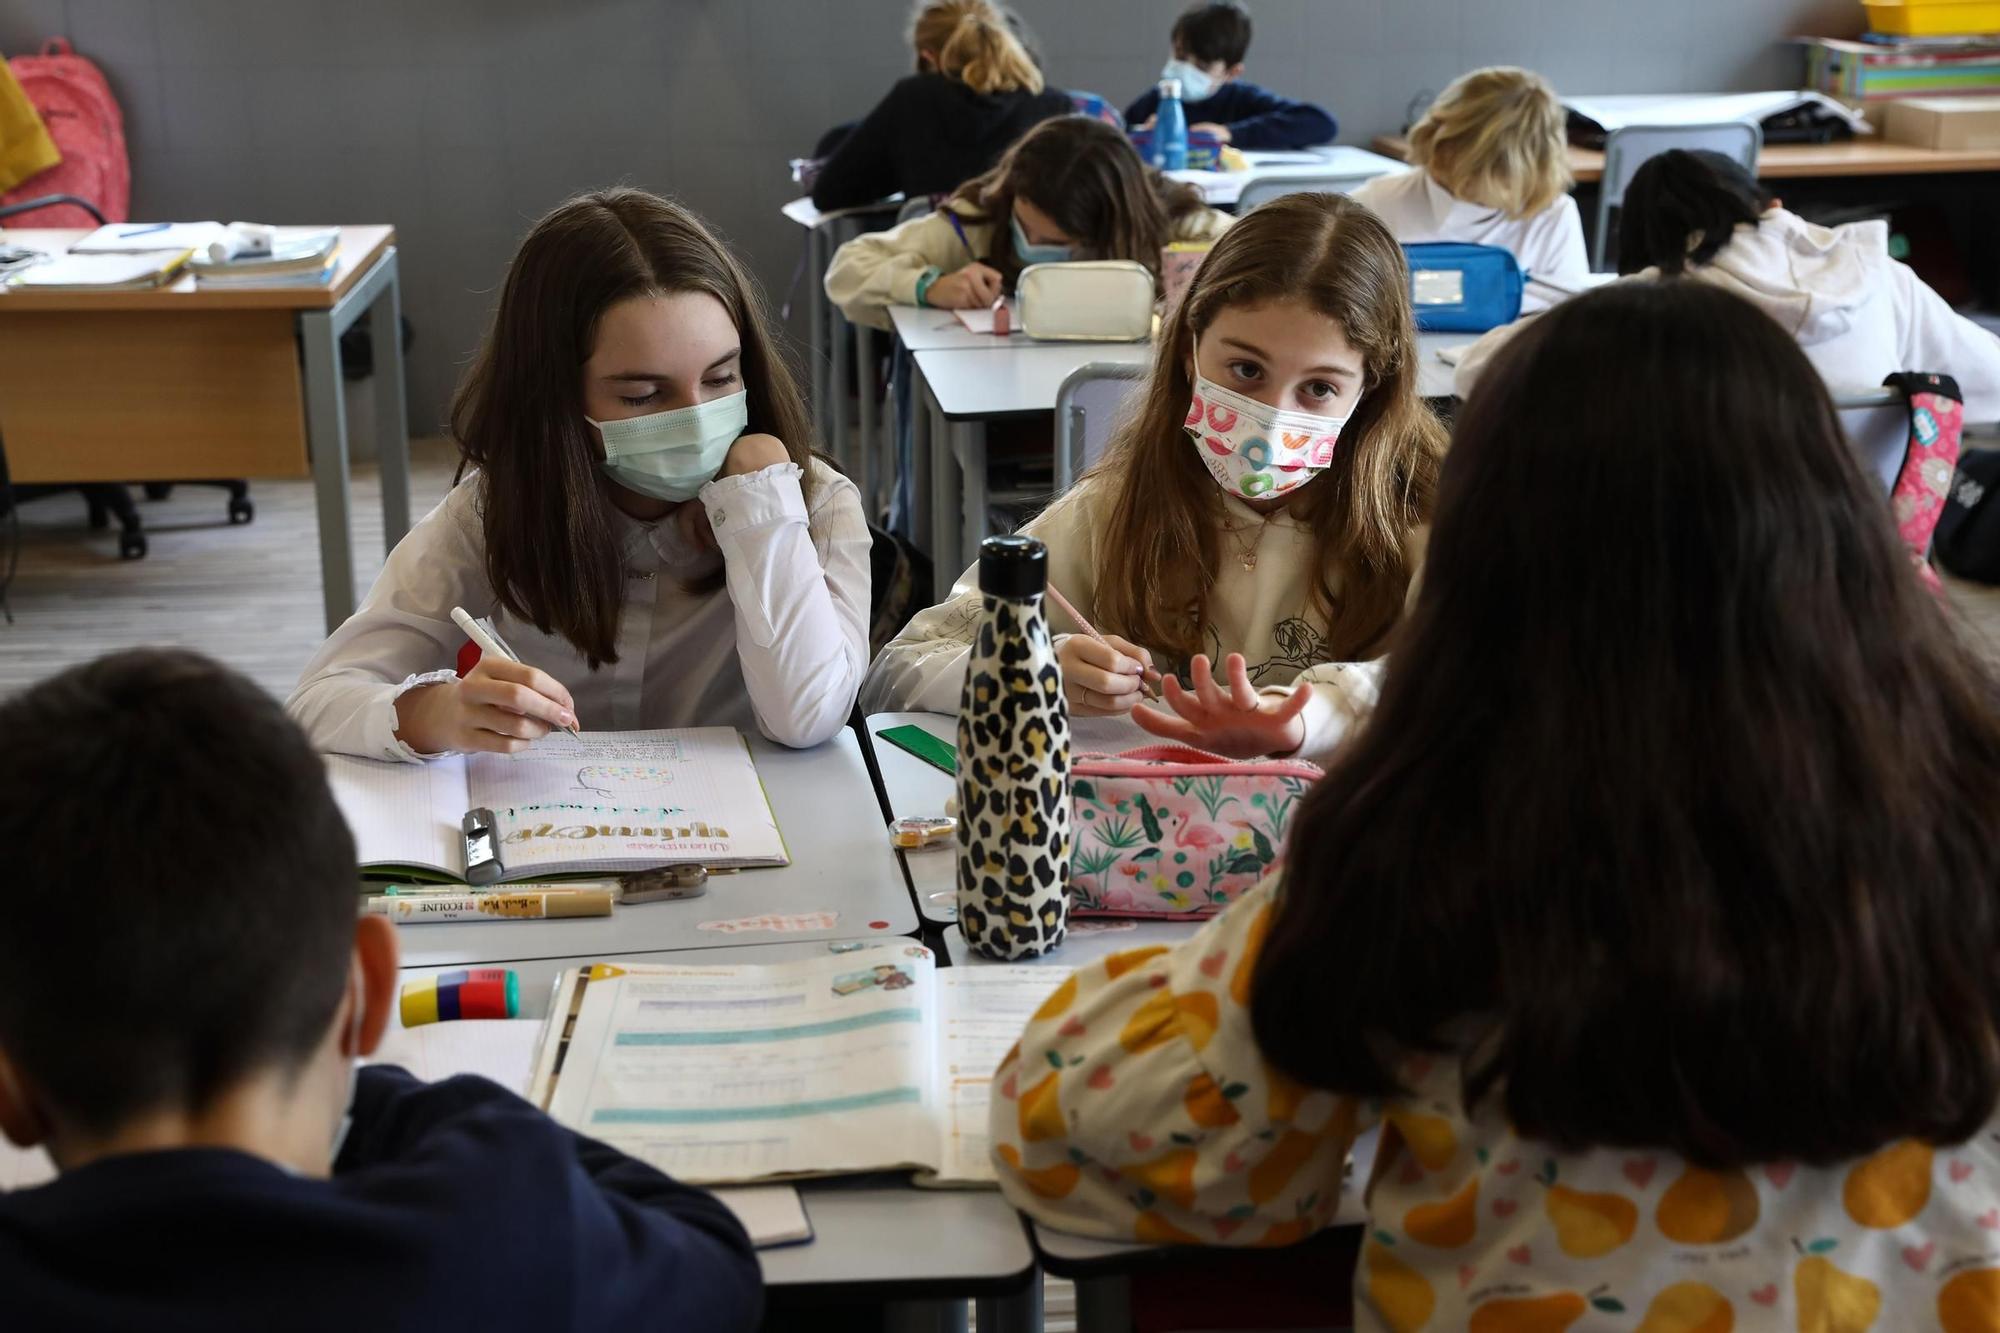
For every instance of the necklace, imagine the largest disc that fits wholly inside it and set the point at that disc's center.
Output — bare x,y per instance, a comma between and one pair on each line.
1246,552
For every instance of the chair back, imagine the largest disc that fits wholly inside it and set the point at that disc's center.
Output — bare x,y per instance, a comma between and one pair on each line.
1628,148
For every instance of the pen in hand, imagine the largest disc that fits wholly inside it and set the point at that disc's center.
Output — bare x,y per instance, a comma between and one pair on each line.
1149,679
490,644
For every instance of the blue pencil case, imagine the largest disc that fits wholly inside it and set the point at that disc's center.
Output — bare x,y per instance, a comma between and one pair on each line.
1460,288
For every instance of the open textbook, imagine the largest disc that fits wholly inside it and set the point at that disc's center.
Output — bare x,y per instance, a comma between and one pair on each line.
606,802
851,1062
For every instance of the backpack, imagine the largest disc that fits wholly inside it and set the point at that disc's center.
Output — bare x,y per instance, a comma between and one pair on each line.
1458,287
71,96
1917,498
1968,535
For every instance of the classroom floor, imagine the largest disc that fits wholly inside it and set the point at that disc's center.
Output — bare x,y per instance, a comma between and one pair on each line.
250,595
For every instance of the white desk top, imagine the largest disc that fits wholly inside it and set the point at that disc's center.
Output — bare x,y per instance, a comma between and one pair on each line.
841,863
925,329
1433,375
1013,380
802,210
915,788
1337,162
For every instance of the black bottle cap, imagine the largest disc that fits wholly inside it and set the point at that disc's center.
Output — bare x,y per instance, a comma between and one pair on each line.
1013,567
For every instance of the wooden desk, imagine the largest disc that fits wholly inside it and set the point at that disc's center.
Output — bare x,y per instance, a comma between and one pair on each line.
1852,157
187,383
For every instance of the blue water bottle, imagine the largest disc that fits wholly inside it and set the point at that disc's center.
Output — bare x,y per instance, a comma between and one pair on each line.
1170,129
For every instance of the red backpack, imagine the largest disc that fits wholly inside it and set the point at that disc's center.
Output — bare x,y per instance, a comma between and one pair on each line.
75,103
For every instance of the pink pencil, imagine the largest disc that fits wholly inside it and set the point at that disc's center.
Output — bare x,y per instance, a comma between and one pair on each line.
1150,680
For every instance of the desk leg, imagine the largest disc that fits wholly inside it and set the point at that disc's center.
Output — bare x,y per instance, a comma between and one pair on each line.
915,401
837,341
1019,1313
326,436
862,466
1103,1305
947,527
968,446
392,420
816,308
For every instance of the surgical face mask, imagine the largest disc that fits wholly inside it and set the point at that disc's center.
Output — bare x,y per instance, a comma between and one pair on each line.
1197,85
672,455
1029,253
1255,451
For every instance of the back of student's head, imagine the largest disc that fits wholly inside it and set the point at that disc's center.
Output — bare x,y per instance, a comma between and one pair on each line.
972,41
1681,207
553,554
1213,30
181,887
1496,137
1678,777
1086,176
1337,258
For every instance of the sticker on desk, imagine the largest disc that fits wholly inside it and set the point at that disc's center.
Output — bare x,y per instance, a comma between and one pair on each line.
1100,927
774,921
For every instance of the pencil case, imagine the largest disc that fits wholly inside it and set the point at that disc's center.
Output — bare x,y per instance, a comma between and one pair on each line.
1170,831
1099,300
1457,287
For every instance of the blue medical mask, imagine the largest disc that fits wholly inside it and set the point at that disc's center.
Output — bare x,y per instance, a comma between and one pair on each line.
1197,84
1029,253
672,455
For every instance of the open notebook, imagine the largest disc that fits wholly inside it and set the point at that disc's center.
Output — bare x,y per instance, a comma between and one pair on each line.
865,1061
608,802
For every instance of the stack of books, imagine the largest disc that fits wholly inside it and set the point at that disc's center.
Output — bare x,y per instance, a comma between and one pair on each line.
299,257
1880,68
101,272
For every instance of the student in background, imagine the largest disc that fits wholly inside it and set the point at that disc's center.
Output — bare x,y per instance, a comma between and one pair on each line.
1071,189
1650,915
976,90
183,1006
644,518
1210,39
1256,573
1492,168
1858,314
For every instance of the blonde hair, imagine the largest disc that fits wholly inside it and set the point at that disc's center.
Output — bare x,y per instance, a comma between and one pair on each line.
1165,512
1496,137
971,42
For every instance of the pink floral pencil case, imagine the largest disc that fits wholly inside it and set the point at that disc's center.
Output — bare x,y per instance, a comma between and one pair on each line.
1169,831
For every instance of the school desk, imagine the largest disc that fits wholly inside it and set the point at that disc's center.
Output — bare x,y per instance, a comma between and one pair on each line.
842,865
875,1238
186,382
1433,374
1851,157
1340,166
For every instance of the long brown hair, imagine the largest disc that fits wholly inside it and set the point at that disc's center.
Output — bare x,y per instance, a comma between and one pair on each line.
1336,256
1679,776
972,41
552,551
1088,178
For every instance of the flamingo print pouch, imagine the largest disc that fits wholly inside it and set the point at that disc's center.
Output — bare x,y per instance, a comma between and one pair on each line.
1169,831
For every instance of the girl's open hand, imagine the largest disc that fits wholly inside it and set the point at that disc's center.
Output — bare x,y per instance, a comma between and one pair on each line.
1238,722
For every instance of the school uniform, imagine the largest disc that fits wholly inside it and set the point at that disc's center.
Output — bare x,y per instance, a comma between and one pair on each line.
879,269
1547,245
780,646
1256,117
452,1205
1260,606
1138,1107
930,135
1857,314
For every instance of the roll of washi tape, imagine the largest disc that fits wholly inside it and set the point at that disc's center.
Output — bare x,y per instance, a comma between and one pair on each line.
480,992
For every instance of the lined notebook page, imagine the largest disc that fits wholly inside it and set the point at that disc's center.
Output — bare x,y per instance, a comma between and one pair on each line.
403,814
502,1049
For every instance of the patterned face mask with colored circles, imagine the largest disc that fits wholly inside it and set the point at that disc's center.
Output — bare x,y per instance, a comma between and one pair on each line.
1254,450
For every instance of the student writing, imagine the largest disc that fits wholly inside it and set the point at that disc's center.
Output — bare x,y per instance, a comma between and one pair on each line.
1492,168
182,1008
1210,41
1071,189
1858,314
1649,915
976,90
645,519
1256,523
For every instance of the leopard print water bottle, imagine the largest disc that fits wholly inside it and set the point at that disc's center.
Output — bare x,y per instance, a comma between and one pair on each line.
1013,764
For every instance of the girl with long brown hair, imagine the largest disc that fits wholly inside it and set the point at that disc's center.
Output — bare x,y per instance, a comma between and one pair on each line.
1651,916
1072,188
1256,524
644,519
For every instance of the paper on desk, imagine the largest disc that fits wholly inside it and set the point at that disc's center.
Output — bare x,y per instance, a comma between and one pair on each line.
131,238
772,1214
981,320
984,1010
1621,109
502,1049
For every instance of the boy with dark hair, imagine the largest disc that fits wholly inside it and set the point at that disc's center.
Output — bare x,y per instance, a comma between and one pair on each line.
185,990
1210,40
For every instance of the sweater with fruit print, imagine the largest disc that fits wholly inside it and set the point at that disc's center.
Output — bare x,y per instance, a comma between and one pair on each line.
1136,1107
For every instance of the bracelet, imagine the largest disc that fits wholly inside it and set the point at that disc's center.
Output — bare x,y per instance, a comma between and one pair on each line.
924,281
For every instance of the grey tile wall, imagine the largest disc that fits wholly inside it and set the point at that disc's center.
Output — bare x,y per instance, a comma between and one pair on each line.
460,121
